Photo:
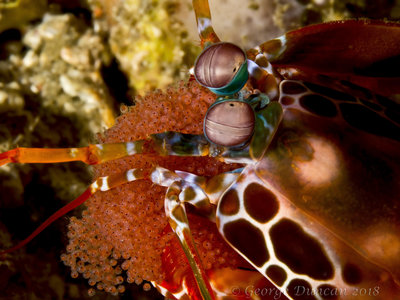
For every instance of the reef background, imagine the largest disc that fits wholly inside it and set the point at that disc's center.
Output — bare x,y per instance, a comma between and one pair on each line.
65,69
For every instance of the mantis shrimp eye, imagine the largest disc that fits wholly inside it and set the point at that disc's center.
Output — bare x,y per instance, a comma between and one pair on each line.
229,123
222,68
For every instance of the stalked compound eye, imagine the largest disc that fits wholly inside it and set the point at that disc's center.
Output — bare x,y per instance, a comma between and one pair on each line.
222,68
229,123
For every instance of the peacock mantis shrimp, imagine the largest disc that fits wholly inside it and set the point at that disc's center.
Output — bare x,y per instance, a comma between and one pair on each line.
301,151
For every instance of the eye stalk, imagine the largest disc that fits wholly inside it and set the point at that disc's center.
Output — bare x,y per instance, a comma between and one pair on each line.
229,123
222,68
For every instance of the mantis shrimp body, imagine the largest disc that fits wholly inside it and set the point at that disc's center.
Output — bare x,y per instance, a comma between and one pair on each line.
279,172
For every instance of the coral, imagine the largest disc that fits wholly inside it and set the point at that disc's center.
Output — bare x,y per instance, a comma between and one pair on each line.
121,235
63,65
150,44
17,13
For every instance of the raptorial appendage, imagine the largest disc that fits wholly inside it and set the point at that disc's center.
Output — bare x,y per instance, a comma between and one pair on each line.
95,236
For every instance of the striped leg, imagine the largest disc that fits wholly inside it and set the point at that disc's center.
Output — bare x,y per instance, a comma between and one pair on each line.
91,155
166,143
182,187
176,213
204,26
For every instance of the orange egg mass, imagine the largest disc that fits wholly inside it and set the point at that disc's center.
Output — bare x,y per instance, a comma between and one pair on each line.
122,233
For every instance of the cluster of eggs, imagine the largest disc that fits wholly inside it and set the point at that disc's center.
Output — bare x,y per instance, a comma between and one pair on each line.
122,233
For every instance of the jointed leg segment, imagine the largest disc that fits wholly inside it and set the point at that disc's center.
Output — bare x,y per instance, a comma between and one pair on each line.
166,143
203,19
91,155
182,187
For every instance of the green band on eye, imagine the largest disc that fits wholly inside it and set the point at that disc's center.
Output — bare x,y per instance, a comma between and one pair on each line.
236,84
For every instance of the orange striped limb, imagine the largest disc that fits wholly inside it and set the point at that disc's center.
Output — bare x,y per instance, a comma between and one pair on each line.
165,143
184,188
204,26
176,213
92,154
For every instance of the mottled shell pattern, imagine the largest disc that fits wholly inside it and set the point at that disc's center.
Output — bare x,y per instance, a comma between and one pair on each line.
314,204
327,189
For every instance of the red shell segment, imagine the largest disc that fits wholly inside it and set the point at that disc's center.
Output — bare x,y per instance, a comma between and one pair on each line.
364,52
